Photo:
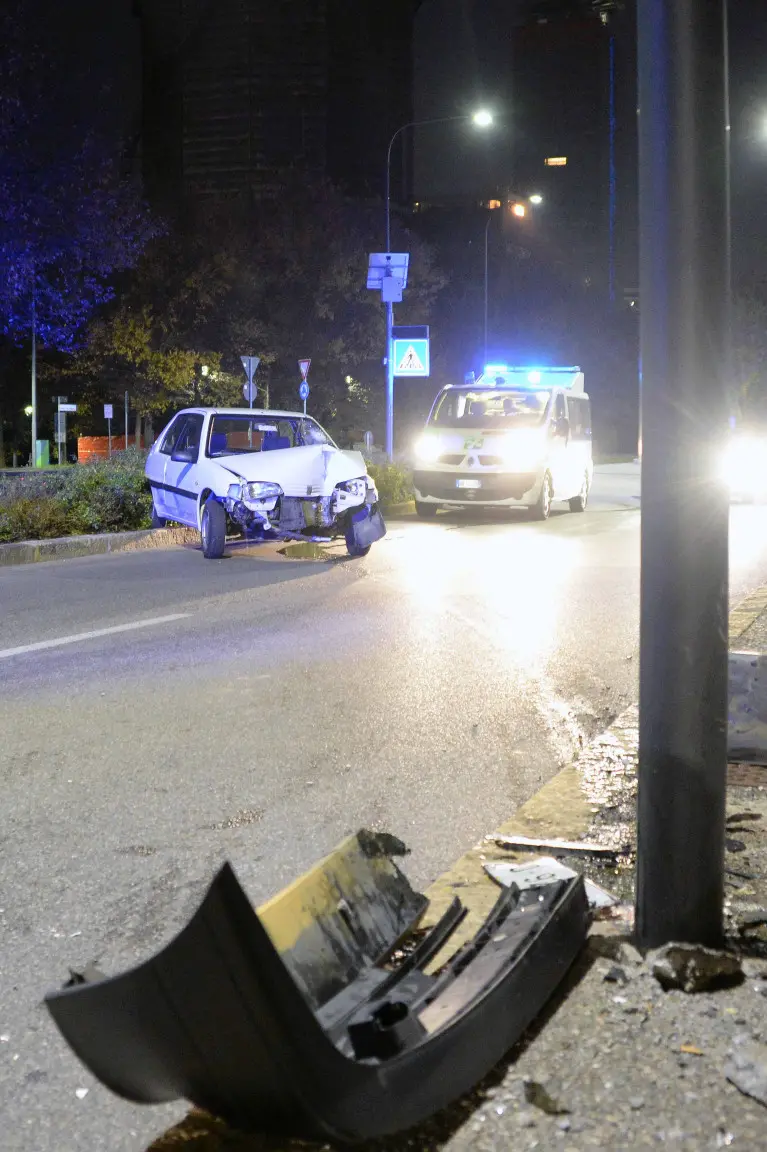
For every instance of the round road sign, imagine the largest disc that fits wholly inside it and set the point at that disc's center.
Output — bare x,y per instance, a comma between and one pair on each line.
303,391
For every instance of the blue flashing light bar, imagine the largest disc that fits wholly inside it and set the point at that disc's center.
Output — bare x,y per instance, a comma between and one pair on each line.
530,376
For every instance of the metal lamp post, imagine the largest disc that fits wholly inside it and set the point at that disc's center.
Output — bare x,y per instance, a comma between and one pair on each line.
482,119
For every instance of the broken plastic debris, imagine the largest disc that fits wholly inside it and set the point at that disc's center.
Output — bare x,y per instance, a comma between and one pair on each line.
317,1036
546,870
556,847
81,1093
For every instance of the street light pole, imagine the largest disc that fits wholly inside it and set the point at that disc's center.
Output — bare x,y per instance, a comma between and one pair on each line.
685,508
34,378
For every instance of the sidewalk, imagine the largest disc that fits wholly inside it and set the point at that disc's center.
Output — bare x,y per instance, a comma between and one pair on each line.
616,1063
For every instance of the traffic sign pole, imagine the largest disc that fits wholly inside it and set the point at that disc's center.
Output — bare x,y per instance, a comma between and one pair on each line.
303,391
389,380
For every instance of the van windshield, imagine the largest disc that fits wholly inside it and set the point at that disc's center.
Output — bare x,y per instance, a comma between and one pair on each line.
492,408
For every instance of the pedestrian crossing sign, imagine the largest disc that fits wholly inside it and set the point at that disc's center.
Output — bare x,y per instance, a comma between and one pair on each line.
411,357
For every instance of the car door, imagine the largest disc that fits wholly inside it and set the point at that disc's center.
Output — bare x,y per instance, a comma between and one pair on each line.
559,461
156,464
181,480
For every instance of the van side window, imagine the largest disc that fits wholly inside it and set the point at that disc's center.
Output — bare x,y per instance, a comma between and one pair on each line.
580,418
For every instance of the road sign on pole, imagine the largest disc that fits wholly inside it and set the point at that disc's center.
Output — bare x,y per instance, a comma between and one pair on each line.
387,274
250,390
411,357
303,391
108,414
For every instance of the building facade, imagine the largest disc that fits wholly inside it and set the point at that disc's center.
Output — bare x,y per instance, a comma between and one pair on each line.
236,91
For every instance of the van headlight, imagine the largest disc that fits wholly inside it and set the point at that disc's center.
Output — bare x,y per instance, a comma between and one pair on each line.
427,449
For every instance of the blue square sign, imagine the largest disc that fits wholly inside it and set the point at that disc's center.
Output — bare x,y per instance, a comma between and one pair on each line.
411,357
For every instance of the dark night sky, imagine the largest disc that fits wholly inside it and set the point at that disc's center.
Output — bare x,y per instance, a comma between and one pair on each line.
457,62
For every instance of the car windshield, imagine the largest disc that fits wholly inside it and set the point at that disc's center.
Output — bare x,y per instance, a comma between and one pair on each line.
492,408
234,435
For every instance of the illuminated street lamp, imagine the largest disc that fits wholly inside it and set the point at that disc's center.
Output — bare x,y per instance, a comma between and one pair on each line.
536,198
28,410
482,118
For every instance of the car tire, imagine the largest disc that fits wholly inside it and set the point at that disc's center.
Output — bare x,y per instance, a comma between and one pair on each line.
542,507
213,529
579,502
426,511
158,521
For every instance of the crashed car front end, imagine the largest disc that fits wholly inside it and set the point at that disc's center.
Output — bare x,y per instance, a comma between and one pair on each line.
262,506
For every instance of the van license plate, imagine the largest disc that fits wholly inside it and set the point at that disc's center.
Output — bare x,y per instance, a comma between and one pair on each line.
468,483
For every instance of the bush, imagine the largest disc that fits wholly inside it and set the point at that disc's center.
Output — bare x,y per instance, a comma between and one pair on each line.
108,496
37,518
394,483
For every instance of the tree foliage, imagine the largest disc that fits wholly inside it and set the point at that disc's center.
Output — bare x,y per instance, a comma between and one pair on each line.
69,218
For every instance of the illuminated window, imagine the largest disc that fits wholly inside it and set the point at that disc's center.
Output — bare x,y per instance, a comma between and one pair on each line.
493,203
556,161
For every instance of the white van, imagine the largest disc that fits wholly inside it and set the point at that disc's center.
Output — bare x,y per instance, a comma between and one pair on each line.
516,437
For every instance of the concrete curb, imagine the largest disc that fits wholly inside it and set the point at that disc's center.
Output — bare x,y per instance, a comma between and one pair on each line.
71,547
99,544
565,807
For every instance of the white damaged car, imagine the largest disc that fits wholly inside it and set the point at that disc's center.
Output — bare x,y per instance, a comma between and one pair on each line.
262,473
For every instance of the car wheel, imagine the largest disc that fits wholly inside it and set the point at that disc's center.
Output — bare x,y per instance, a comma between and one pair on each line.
542,507
213,529
158,521
426,511
579,502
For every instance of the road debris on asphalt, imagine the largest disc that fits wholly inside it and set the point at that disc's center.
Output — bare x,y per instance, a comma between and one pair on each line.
545,870
747,1069
307,1027
556,847
693,968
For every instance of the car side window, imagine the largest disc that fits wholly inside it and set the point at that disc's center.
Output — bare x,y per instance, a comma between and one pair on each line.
170,437
190,435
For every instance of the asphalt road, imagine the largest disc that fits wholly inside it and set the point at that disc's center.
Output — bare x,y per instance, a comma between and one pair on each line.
160,713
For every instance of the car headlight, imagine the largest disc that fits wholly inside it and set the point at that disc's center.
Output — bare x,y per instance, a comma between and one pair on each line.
427,449
260,490
357,487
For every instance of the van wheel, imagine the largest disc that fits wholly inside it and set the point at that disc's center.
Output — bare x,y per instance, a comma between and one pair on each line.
579,502
426,511
542,507
213,529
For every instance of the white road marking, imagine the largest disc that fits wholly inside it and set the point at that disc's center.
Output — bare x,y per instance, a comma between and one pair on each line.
41,645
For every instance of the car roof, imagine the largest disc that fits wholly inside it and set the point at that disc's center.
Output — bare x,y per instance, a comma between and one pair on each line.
247,412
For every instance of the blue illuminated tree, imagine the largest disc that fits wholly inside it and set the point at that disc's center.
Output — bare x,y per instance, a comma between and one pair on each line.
69,218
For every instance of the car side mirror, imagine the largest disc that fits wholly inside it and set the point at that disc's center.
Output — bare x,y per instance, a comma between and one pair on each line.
184,455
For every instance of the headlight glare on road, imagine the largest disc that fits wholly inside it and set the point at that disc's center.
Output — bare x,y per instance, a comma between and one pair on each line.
744,467
427,449
261,490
